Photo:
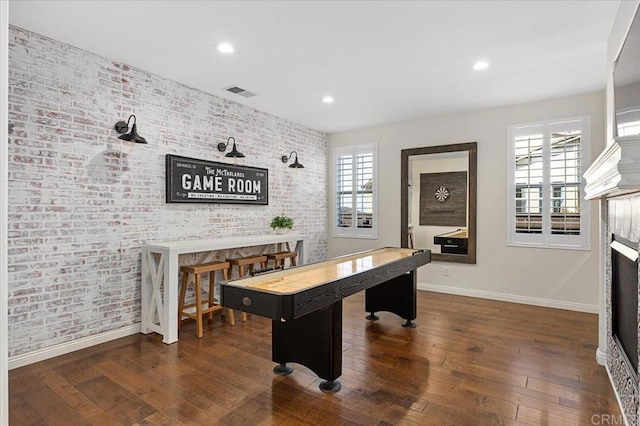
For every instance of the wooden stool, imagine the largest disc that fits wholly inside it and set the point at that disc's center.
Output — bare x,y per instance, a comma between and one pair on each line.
197,271
279,257
247,261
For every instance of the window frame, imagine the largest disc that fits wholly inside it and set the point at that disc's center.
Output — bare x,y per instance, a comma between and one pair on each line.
353,231
546,238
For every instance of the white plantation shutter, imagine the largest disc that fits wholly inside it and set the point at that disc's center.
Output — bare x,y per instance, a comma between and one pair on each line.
355,202
344,178
546,191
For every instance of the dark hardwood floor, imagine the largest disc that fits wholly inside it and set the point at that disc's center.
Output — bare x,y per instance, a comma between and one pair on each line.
469,362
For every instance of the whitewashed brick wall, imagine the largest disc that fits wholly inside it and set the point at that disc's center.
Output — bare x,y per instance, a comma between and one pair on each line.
82,202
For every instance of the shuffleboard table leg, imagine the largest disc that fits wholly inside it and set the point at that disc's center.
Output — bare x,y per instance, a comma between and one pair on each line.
313,340
330,386
372,317
409,324
398,295
282,369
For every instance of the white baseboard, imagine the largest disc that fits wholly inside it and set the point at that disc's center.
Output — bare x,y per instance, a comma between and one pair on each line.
601,357
68,347
547,303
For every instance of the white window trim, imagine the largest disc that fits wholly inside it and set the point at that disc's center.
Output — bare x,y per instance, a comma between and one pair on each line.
354,231
546,239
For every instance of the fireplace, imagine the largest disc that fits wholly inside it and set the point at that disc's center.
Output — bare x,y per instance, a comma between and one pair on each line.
624,300
614,178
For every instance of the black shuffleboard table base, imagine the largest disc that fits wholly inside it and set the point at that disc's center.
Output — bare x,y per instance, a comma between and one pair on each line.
307,324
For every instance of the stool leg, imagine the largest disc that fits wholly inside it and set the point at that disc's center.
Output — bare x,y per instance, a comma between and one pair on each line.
231,316
294,261
183,293
199,331
212,282
226,273
263,265
243,315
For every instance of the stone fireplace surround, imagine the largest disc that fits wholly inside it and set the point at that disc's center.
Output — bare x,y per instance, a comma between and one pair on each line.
614,178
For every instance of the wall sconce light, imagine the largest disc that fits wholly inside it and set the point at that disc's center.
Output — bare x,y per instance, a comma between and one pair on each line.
132,136
222,147
295,164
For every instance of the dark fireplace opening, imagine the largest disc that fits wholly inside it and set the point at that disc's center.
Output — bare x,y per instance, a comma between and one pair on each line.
624,298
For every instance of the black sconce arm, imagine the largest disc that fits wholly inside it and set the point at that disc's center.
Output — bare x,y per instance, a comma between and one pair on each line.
295,164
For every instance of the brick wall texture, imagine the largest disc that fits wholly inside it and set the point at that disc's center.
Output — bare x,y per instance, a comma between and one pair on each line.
82,202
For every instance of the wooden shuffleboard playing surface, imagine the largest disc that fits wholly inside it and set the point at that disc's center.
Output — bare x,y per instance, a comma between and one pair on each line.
294,292
301,278
305,303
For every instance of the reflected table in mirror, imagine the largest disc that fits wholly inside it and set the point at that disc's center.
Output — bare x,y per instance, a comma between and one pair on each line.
455,242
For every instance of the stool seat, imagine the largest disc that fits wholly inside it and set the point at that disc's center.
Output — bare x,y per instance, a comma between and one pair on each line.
211,306
250,262
280,256
205,267
247,260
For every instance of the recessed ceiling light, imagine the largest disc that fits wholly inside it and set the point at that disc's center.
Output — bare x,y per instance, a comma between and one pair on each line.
225,48
481,65
327,99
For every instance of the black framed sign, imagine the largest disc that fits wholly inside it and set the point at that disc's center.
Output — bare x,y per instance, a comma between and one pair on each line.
189,180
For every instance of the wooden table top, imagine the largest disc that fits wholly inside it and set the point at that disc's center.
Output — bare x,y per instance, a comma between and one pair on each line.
210,244
300,278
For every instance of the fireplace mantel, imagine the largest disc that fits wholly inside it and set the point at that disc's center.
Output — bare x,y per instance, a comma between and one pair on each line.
616,171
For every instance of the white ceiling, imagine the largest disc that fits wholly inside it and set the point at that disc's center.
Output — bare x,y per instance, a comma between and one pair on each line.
382,61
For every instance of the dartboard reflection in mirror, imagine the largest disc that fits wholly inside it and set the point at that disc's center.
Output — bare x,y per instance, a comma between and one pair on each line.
442,194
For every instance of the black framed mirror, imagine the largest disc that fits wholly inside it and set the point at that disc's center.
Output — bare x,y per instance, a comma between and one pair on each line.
438,200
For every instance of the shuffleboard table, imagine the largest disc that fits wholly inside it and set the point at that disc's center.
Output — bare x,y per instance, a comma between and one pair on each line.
304,304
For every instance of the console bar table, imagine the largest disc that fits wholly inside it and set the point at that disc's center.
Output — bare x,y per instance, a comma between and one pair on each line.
160,266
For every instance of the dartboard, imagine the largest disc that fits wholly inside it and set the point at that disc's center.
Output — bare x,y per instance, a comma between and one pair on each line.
442,194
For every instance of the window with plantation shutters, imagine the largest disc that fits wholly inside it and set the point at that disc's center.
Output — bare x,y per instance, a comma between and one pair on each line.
355,202
546,191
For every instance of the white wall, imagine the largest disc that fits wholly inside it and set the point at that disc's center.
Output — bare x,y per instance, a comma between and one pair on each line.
561,278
